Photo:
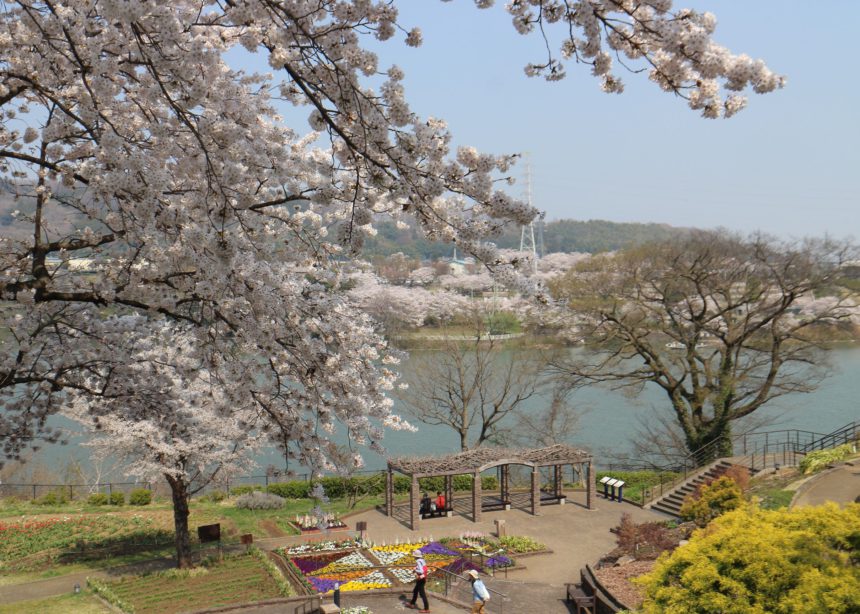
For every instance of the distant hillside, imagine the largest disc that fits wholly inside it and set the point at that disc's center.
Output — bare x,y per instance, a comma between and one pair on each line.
559,236
601,236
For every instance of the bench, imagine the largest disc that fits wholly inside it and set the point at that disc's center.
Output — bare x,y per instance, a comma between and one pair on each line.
582,602
495,504
437,513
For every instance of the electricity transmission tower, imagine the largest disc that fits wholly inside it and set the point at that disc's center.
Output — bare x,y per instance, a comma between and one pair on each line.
527,233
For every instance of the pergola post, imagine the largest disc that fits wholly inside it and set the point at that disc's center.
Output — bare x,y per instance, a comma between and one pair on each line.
589,484
556,481
389,492
414,504
535,491
505,482
449,491
476,497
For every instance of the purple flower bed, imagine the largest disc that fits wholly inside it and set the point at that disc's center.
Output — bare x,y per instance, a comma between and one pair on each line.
461,566
437,548
498,561
323,585
310,564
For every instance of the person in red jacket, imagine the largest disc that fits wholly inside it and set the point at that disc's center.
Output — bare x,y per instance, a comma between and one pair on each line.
440,501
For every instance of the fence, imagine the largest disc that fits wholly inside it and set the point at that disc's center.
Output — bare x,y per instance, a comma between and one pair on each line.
458,588
756,450
69,492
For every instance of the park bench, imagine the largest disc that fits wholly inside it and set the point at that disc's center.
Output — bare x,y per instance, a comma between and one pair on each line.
437,513
582,602
494,504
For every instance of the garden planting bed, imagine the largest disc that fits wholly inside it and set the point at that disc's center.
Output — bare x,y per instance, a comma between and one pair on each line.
31,544
240,579
318,568
312,530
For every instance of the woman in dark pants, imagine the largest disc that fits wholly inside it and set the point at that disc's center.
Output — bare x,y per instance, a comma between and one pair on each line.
420,581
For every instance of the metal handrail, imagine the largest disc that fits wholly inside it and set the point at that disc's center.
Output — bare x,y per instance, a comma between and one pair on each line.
756,454
849,432
452,580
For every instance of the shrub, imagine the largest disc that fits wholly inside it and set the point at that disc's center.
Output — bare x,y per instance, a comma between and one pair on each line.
818,460
259,501
296,489
752,560
238,491
117,498
216,496
460,483
52,498
520,544
97,498
740,475
140,496
644,541
714,499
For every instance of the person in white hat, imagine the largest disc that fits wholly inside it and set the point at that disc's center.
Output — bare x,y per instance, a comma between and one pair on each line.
420,581
480,594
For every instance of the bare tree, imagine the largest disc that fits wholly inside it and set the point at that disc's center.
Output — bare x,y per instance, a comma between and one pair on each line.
554,424
472,387
722,324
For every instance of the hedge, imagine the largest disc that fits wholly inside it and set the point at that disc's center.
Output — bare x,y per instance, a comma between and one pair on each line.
140,496
98,498
339,487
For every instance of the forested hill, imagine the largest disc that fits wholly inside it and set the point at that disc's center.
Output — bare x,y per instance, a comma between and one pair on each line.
559,236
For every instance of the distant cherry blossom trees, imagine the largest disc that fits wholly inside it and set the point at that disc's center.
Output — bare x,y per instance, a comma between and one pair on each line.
197,205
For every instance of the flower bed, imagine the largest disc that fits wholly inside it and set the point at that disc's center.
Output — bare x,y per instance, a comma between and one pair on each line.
351,570
324,546
321,567
310,523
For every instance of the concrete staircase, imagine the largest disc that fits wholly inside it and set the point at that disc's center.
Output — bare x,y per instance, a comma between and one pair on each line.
671,502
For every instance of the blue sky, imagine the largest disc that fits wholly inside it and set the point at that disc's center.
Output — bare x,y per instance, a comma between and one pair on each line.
788,164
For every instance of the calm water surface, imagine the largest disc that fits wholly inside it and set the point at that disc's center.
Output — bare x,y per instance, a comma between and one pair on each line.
609,420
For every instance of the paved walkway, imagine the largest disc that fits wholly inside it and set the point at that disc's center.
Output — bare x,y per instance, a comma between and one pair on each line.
840,485
576,535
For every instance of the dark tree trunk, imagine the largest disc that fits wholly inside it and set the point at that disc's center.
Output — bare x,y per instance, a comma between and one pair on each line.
179,490
707,445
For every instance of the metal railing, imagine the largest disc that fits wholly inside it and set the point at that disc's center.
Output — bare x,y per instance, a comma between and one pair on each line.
459,588
846,434
756,450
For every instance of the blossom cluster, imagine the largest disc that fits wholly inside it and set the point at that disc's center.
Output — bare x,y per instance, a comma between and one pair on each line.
209,220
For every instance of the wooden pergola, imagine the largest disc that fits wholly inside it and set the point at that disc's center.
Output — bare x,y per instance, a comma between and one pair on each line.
474,462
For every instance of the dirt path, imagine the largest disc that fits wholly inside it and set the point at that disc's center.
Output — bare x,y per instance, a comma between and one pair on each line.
61,585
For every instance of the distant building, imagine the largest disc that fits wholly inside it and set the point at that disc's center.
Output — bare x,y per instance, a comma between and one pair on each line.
457,267
850,269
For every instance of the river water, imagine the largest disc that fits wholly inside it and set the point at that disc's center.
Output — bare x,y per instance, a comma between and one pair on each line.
608,420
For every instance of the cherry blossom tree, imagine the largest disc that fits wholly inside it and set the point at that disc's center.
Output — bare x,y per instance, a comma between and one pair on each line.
194,202
161,416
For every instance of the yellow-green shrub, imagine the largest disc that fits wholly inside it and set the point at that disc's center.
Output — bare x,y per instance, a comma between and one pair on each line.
756,561
714,499
818,460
